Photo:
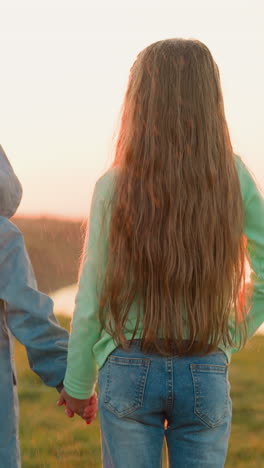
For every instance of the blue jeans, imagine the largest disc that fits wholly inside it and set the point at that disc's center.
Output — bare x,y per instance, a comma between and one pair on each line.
144,397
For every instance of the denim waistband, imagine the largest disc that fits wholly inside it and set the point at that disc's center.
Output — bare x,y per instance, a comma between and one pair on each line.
136,344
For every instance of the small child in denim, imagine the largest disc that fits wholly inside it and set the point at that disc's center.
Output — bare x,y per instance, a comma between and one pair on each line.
25,313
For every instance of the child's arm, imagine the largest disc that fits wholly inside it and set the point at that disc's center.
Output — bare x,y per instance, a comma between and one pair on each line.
254,231
29,313
82,370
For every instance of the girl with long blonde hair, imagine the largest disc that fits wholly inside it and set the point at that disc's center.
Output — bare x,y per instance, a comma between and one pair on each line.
163,300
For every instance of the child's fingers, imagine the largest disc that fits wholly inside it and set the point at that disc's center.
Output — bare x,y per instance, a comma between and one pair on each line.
61,401
91,406
93,398
90,410
92,403
89,420
88,415
69,412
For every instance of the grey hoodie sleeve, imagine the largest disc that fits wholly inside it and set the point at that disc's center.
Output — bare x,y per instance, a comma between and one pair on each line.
29,313
10,187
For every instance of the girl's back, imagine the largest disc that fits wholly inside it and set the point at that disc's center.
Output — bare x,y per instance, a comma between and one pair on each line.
163,299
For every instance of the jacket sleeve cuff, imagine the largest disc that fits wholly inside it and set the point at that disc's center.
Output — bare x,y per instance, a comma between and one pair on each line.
59,387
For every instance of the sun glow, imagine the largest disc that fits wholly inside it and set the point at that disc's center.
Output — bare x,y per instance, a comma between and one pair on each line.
64,70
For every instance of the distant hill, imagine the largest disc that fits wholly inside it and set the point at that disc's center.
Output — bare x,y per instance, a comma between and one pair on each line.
54,247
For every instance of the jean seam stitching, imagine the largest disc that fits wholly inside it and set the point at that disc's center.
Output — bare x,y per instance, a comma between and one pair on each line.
169,369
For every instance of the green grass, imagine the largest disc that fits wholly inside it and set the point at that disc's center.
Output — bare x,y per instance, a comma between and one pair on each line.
50,440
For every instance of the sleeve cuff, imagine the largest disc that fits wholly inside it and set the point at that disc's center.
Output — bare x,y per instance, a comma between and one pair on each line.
79,394
59,387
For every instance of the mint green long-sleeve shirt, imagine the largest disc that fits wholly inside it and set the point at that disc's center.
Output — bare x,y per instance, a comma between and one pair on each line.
89,344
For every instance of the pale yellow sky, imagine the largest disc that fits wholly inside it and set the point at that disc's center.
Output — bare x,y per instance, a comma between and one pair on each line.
64,69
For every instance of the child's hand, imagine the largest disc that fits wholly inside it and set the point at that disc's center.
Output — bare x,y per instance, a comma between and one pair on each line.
62,401
86,409
90,411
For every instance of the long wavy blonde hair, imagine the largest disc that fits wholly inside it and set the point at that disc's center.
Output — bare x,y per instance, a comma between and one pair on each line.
176,231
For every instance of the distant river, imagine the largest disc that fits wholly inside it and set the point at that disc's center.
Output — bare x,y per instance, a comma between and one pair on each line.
64,303
64,300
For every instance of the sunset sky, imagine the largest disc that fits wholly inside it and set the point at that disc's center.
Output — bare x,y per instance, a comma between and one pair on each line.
63,75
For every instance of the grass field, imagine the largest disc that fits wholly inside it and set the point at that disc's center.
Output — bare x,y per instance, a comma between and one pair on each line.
50,440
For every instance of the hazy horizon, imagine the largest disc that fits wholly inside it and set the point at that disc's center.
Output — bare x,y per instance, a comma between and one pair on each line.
64,72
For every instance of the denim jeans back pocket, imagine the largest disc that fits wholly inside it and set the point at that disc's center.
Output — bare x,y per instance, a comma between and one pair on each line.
211,388
125,384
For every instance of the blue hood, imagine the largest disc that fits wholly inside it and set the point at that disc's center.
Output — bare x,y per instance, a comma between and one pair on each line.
10,187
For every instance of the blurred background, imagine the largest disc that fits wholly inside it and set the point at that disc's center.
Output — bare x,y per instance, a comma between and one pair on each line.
64,71
63,75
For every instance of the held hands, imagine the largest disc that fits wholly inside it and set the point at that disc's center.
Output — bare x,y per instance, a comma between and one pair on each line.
86,409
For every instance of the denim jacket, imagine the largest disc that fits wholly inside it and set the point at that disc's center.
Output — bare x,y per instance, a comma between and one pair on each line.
25,313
